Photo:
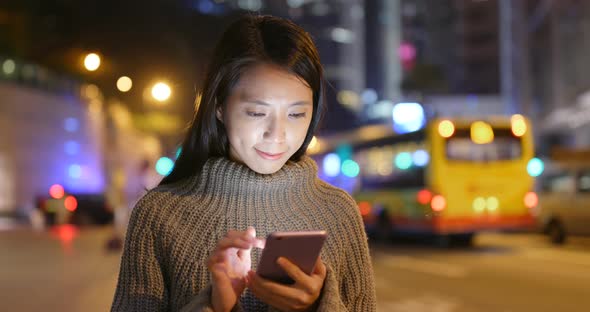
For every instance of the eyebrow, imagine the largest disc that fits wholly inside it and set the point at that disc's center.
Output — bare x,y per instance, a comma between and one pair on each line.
259,102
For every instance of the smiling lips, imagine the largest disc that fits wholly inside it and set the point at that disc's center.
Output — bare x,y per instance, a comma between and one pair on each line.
269,156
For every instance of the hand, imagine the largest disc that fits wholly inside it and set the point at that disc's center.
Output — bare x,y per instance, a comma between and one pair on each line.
300,296
229,265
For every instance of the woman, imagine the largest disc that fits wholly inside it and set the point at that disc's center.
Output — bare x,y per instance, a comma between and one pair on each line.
194,241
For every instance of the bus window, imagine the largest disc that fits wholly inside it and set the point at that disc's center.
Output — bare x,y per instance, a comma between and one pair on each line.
505,146
558,183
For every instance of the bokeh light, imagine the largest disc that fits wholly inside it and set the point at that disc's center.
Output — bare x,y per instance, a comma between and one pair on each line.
446,128
124,84
92,62
161,91
331,165
164,166
535,167
403,160
350,168
481,133
56,191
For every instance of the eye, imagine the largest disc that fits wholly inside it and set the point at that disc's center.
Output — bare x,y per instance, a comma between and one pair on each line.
297,115
255,114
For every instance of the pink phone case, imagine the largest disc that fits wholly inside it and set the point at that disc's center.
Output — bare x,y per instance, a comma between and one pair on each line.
302,248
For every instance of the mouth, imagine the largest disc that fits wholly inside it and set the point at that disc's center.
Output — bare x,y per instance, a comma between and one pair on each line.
269,156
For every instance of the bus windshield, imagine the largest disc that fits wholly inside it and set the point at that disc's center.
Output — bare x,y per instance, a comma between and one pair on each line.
505,146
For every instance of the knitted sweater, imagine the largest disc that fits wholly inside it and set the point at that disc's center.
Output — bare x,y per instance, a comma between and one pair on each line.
174,228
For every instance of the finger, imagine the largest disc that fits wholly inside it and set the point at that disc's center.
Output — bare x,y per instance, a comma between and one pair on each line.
273,293
245,235
260,243
320,268
244,253
251,232
233,242
293,271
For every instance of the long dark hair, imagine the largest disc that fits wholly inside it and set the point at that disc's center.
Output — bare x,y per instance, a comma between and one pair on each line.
248,41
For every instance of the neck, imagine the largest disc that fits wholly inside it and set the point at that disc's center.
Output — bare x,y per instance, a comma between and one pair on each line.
223,176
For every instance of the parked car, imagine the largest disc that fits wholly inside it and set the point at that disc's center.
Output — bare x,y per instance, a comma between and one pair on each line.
564,203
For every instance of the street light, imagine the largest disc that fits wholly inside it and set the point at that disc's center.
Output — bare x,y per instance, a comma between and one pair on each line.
161,91
92,61
124,84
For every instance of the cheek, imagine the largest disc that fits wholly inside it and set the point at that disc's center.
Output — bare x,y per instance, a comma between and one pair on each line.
298,132
242,131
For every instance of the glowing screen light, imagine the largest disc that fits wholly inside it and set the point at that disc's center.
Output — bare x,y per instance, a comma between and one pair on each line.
403,160
331,165
164,165
518,125
420,158
407,117
481,133
535,167
350,168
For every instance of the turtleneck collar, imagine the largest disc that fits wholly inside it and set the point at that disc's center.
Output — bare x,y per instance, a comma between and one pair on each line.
221,175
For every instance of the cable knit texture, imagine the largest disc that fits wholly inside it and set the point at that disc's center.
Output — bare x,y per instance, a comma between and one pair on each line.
174,228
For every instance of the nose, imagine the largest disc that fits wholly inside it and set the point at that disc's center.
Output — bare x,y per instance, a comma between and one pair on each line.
275,130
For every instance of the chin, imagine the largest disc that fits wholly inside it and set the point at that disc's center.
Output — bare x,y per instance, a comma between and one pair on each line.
267,169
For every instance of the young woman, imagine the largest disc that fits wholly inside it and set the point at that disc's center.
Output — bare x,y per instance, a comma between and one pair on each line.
194,241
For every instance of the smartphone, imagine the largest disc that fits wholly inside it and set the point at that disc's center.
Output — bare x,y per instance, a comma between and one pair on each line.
301,247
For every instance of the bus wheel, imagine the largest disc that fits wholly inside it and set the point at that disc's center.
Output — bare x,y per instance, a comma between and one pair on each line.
556,232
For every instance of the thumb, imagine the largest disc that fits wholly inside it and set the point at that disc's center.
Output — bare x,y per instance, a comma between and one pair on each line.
251,232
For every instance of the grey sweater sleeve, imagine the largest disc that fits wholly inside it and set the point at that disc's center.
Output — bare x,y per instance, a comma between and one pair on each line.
140,286
354,288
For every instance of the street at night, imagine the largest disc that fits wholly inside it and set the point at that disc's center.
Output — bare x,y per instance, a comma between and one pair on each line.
70,270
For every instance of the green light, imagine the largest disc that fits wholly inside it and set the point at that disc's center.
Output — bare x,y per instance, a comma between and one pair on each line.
178,151
350,168
344,151
403,160
164,166
535,167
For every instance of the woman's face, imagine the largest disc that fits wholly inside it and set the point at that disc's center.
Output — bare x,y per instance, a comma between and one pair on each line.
266,117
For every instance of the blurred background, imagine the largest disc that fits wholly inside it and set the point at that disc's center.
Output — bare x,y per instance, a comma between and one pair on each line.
461,127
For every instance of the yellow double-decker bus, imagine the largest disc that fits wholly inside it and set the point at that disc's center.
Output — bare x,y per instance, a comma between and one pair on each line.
452,178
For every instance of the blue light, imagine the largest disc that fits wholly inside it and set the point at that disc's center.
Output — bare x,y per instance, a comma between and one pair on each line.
164,165
403,160
535,167
331,165
75,171
407,117
205,6
369,96
71,124
72,147
420,158
350,168
178,151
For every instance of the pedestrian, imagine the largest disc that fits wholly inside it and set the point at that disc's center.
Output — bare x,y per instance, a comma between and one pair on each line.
194,241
